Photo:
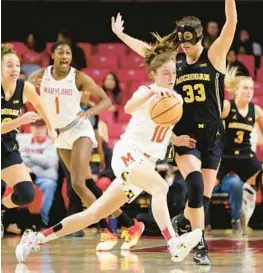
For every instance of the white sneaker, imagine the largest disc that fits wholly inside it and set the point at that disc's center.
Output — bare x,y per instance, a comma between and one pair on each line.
30,242
180,247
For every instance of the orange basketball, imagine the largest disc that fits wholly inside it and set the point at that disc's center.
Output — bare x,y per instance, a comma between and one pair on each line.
165,111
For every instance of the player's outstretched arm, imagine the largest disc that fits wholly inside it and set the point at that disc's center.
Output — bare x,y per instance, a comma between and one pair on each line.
135,44
218,50
10,125
84,82
138,98
31,95
35,77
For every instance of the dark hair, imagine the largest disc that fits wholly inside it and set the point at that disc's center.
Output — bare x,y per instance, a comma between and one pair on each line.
67,34
59,43
40,44
117,89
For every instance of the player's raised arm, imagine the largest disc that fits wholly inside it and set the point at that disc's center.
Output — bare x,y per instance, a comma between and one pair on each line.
84,82
135,44
218,50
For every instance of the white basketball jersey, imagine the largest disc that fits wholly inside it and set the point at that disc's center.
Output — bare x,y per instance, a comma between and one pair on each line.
143,133
61,97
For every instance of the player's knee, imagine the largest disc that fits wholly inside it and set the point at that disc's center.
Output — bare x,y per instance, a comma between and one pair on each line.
94,215
195,189
78,185
161,188
23,194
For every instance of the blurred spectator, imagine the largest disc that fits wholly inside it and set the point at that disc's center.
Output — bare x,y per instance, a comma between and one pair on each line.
232,185
211,35
97,160
78,57
112,87
40,156
22,76
36,56
232,61
104,131
245,45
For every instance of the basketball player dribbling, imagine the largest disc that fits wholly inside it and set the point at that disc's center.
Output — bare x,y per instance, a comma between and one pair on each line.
134,160
60,90
14,93
200,81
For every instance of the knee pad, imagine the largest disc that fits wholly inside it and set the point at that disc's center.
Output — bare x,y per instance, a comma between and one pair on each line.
195,189
93,188
23,194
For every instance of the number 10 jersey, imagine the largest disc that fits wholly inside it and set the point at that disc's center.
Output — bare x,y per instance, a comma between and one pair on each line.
143,133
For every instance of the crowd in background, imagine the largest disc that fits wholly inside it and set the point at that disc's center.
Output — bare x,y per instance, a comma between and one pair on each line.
50,176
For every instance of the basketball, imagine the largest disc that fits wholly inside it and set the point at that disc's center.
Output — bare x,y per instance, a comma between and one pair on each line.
165,111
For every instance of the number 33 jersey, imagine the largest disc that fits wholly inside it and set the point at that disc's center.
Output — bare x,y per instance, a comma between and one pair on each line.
61,97
202,89
143,133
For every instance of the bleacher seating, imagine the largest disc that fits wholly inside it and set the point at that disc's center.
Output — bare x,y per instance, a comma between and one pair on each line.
117,57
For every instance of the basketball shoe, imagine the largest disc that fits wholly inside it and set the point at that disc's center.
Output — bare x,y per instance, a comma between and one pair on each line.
108,240
132,235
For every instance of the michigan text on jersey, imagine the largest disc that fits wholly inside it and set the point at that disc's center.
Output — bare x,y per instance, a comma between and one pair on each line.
242,126
192,77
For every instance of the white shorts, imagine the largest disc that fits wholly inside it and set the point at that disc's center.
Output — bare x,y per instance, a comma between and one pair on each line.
124,158
83,128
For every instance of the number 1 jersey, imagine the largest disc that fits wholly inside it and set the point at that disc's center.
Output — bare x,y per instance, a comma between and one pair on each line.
202,89
61,97
143,133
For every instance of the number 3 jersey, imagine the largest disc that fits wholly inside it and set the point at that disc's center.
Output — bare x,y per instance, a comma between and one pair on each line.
61,97
143,133
238,131
202,89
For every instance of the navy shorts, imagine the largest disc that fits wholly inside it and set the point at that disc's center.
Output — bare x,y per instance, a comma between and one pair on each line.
245,168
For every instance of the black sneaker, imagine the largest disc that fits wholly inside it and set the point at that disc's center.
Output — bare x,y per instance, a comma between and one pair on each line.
201,255
178,229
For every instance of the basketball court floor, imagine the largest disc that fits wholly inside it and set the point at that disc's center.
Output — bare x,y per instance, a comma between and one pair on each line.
77,255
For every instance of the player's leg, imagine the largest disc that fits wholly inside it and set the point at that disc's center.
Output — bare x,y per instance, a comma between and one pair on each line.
249,170
113,198
190,167
17,177
145,177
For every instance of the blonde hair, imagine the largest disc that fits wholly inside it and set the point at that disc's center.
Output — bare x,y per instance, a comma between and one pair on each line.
163,51
233,80
7,49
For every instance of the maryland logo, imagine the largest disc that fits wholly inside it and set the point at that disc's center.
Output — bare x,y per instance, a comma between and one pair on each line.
128,159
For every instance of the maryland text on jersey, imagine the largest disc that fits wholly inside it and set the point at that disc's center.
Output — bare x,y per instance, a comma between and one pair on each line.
194,76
